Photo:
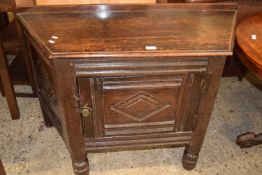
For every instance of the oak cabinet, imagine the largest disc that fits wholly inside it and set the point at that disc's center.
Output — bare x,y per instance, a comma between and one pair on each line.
129,76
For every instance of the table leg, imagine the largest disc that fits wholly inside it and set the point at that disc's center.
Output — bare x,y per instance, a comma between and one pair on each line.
241,69
249,139
7,85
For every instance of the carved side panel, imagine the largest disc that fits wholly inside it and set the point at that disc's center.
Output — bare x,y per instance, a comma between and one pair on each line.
46,93
45,85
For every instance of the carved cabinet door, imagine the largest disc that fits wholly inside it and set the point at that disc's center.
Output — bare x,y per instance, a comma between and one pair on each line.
139,105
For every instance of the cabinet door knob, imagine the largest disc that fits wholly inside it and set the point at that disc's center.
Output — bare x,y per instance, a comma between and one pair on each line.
85,111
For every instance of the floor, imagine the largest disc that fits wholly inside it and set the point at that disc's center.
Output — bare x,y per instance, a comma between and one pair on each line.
27,147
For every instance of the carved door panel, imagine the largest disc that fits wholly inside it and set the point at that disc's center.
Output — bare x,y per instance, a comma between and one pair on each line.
123,106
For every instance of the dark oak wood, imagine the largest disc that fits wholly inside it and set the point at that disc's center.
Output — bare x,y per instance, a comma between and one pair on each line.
2,170
8,88
112,46
129,76
248,37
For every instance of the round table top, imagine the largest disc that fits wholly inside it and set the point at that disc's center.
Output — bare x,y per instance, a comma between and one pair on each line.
249,40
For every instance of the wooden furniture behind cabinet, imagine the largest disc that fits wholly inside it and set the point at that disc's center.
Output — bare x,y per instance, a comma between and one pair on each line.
20,68
129,76
249,50
246,8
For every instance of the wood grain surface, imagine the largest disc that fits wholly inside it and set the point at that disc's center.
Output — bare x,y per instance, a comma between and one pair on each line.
249,40
63,2
115,30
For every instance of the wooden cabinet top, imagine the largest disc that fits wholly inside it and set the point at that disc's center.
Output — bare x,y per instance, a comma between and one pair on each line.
132,30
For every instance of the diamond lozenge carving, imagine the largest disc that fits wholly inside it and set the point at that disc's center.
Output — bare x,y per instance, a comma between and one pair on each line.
140,106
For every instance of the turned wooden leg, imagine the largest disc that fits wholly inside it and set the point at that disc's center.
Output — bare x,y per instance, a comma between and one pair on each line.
2,170
249,139
73,131
203,114
190,158
81,167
